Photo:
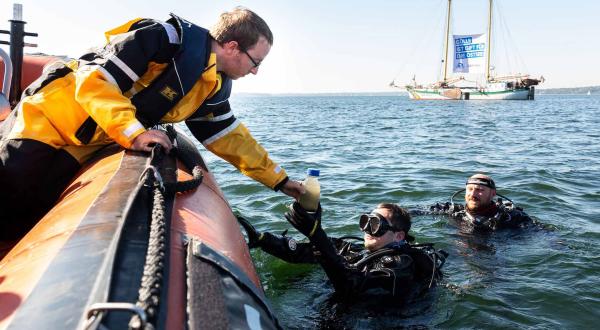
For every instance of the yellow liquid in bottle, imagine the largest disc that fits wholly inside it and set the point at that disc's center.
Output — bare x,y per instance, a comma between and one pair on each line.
310,199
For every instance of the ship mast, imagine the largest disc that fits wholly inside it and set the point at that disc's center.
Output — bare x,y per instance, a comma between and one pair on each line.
489,42
446,43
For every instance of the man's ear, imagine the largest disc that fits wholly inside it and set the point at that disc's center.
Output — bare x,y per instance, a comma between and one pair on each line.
231,46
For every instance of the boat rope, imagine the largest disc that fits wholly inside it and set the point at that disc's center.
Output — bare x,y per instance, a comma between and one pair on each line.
179,186
197,174
150,288
152,278
188,185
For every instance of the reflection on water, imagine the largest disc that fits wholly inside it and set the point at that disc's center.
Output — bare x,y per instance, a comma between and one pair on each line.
543,155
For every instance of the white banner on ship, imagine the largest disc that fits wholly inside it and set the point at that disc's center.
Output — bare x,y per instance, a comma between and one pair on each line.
469,53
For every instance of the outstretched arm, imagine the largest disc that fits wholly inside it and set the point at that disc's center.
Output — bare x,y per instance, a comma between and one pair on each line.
280,246
310,225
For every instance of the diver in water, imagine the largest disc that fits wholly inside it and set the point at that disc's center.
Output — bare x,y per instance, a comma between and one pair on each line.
387,263
481,212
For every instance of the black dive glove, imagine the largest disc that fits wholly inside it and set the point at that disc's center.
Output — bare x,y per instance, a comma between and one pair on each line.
254,236
445,208
309,224
306,223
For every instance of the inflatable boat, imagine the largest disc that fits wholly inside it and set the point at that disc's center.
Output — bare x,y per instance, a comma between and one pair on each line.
137,241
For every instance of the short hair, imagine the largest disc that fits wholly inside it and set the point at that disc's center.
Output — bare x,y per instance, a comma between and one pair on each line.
400,218
241,25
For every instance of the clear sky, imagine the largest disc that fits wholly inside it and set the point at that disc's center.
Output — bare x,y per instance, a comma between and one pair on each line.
351,46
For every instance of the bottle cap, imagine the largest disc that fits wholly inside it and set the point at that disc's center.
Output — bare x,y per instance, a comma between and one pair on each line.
313,172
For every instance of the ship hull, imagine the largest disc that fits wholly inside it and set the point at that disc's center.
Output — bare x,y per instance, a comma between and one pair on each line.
469,94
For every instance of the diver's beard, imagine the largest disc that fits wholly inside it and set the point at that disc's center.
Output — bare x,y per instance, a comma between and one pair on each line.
477,207
474,205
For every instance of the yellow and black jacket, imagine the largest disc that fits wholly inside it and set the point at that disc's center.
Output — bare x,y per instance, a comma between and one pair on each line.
149,72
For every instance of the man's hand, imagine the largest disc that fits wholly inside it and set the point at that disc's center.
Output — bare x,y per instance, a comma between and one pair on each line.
306,223
146,140
254,236
293,189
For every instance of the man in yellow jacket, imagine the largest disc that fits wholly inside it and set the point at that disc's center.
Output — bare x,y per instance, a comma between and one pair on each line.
149,72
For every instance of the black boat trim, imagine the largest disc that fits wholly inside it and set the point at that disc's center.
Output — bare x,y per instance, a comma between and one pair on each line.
212,276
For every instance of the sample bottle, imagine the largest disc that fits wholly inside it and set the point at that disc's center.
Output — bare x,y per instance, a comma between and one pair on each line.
310,199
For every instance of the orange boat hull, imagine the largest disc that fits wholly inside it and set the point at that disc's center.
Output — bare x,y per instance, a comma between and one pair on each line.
73,257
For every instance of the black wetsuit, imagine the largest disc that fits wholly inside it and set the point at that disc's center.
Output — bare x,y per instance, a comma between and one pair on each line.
499,215
401,271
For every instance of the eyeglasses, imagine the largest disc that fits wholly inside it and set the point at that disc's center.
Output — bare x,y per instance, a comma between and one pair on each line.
256,64
374,224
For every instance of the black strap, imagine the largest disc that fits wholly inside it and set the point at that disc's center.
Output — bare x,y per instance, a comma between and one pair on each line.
86,131
220,294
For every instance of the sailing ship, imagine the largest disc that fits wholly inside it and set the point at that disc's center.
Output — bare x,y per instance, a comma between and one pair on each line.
472,55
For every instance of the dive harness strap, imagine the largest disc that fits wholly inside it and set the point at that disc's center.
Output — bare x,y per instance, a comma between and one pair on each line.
437,257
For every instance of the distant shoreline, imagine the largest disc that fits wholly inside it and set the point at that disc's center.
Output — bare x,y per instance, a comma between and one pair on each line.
594,90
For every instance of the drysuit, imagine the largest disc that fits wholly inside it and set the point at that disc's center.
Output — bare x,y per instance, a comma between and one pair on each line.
498,215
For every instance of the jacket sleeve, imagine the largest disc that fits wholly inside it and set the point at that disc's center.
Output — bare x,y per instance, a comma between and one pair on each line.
224,135
105,74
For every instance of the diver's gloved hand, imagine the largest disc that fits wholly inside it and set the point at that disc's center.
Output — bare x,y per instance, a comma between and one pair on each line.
254,236
306,223
445,208
438,207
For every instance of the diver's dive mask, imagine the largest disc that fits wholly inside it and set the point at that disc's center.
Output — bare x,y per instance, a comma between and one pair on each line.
375,224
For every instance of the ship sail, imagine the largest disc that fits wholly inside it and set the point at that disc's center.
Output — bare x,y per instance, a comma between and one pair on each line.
469,53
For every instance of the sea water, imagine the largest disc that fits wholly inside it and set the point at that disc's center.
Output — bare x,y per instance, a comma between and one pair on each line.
543,154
